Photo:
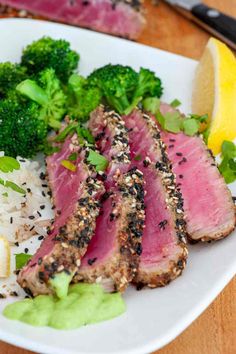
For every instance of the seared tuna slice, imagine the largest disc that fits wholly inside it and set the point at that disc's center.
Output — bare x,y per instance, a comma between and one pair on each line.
76,197
164,249
111,137
113,254
119,17
209,209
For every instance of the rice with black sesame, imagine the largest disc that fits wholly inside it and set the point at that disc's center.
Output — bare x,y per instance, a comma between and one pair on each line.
21,215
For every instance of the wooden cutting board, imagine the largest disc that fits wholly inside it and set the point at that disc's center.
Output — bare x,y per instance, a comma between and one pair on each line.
214,332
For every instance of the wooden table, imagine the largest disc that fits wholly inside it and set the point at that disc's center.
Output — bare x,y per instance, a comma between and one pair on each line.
214,332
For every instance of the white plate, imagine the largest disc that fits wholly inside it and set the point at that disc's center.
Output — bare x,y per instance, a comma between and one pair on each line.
153,317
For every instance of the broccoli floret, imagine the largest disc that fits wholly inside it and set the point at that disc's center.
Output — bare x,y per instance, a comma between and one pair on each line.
50,53
82,98
48,93
123,88
149,85
21,132
117,84
10,76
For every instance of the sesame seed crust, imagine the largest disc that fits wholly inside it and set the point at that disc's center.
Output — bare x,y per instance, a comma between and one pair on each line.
128,213
174,202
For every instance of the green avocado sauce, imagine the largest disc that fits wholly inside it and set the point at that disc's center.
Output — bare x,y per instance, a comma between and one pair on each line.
84,304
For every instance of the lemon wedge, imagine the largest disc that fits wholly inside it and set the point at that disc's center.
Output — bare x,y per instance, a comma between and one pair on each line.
214,92
4,258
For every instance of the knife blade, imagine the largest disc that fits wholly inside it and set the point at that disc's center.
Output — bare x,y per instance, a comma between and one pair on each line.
214,21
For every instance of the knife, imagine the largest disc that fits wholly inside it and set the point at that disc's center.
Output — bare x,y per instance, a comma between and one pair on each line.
214,21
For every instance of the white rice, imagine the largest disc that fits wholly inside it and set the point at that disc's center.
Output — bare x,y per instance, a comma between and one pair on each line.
22,216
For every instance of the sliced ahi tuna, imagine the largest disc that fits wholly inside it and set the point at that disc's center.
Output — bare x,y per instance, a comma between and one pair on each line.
113,255
164,249
76,195
208,204
119,17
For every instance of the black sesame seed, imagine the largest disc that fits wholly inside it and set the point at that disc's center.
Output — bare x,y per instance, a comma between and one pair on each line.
11,220
40,238
28,190
26,250
42,176
43,194
181,176
179,154
31,229
31,217
171,146
92,260
39,214
42,207
172,140
17,244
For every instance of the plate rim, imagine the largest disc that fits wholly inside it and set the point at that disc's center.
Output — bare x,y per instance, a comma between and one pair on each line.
152,345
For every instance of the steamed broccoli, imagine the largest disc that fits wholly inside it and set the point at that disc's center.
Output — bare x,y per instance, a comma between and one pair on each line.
21,132
82,98
50,53
123,88
48,93
10,76
149,85
117,84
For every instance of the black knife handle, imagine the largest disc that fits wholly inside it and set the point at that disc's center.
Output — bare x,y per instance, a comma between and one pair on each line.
220,24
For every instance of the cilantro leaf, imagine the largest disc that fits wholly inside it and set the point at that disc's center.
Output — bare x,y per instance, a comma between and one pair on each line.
8,164
85,133
61,137
97,160
227,166
201,119
190,126
73,156
228,149
21,259
14,187
205,135
175,103
151,104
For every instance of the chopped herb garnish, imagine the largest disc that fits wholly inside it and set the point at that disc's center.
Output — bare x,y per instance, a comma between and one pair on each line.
69,165
138,157
14,187
85,133
175,103
5,194
190,126
49,149
73,156
227,166
22,259
151,104
173,122
8,164
71,128
97,160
